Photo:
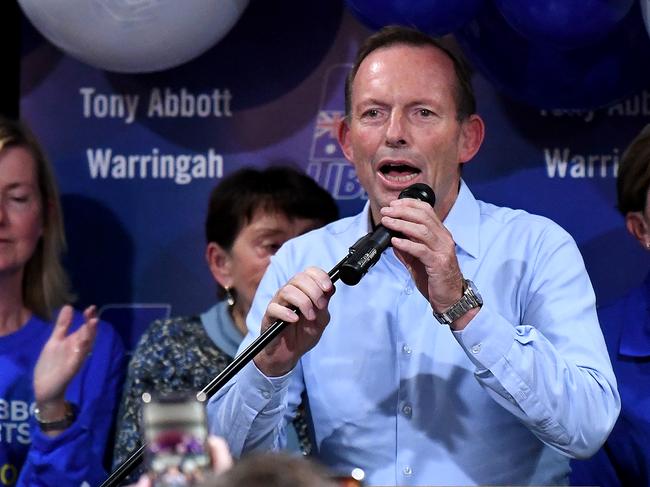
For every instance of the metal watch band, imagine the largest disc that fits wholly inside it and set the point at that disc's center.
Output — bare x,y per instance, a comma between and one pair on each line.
469,300
57,424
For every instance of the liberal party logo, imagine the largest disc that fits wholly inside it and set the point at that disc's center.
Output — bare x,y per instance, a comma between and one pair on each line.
327,164
325,145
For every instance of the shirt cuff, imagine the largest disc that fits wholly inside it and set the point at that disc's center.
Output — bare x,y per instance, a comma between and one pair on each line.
486,339
261,392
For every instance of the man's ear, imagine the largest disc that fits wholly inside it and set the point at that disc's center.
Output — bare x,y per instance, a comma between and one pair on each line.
344,139
472,132
219,263
638,227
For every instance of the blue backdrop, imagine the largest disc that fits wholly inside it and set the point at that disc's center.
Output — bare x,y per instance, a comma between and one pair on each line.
136,155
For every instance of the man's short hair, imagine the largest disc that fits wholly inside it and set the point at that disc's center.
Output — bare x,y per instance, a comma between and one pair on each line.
399,35
634,174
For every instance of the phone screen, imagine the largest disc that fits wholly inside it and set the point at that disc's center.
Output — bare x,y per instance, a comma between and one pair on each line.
175,429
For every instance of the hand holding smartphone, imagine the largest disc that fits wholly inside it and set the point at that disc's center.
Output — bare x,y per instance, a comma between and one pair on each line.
175,429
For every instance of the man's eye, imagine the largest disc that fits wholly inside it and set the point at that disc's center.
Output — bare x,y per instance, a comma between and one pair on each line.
372,113
425,112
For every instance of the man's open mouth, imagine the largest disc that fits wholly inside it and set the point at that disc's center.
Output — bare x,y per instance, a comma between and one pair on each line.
398,172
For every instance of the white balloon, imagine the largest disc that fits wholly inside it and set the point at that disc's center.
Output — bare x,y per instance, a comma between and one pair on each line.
134,36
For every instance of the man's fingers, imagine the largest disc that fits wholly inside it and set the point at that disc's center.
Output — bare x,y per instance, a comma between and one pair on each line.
412,211
418,224
414,249
276,311
306,292
320,277
293,296
316,286
414,231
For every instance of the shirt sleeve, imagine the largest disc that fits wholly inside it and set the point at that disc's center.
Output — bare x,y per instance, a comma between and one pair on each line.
76,456
551,370
249,412
252,411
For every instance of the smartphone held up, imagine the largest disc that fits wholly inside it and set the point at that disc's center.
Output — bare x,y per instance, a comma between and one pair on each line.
175,429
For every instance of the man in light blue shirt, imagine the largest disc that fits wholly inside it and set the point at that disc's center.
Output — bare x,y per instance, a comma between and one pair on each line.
412,375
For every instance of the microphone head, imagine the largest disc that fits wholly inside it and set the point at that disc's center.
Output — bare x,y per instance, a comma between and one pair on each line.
419,191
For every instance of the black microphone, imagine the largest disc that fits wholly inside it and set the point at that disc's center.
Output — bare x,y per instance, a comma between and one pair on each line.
366,251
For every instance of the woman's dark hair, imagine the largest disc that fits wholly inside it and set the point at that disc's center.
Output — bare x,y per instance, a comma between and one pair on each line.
633,178
277,189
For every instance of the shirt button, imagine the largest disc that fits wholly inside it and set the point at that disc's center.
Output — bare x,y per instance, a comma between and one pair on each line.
476,348
266,394
406,349
407,410
407,470
408,290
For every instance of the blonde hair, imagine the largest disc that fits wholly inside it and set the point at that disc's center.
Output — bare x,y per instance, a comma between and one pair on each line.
45,285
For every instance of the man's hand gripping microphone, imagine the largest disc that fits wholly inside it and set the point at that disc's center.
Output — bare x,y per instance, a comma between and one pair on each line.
367,250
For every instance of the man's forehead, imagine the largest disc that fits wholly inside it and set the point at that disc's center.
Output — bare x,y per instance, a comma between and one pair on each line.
400,56
420,56
397,51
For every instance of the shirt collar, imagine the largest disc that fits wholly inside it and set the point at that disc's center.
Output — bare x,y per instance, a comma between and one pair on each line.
363,221
463,221
635,336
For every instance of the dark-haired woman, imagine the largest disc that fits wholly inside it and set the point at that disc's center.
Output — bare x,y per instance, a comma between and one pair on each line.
251,213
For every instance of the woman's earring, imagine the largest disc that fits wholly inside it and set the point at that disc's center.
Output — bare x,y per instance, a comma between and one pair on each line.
230,298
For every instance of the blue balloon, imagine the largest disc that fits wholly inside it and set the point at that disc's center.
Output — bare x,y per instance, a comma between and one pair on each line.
437,17
548,77
565,24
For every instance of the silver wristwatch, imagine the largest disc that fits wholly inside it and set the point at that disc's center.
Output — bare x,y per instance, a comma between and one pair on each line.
471,299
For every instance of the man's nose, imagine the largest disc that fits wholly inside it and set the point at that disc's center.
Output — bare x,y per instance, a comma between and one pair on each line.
396,135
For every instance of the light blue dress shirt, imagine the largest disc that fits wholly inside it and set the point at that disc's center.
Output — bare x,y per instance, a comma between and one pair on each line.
508,400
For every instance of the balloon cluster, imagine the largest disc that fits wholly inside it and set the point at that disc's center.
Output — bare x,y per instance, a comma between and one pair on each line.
553,54
133,36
